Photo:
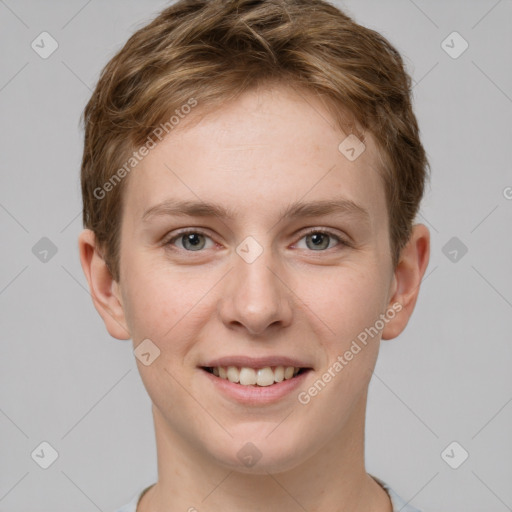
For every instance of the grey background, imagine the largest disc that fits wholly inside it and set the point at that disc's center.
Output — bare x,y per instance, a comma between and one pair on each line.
447,378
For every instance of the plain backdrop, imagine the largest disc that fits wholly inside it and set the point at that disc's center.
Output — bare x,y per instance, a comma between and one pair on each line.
447,378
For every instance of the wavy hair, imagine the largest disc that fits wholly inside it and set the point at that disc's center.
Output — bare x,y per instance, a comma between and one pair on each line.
215,50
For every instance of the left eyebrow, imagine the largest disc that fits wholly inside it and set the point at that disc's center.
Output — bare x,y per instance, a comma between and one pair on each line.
187,208
297,209
325,207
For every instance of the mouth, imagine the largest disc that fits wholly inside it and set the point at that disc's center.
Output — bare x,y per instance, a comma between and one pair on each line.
256,377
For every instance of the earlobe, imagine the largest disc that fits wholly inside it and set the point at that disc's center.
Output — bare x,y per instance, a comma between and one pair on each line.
103,288
408,274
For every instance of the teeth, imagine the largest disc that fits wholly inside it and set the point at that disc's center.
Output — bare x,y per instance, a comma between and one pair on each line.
265,377
279,374
250,376
288,373
233,374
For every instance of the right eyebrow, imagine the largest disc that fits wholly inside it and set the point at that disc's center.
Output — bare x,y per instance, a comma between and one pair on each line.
298,209
187,208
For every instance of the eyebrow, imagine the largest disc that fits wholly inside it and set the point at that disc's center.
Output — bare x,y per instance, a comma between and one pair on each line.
297,209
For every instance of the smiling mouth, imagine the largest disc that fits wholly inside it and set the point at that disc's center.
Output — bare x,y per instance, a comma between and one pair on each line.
256,377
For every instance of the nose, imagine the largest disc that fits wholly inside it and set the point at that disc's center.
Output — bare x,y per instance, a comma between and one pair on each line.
255,296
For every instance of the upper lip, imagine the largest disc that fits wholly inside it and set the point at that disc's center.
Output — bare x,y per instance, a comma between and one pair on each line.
255,362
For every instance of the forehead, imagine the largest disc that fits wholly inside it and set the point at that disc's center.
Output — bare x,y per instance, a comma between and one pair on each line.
257,154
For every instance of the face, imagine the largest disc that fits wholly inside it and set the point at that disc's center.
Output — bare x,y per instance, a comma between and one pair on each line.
268,274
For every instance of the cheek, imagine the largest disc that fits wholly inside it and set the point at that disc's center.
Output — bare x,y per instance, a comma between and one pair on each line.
344,313
343,303
168,306
154,301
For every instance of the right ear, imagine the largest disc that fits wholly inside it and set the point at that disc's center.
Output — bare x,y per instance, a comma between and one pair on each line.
103,288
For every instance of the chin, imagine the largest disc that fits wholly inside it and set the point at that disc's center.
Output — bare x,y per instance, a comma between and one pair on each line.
260,454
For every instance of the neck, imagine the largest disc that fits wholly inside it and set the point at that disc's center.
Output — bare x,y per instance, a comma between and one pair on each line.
332,479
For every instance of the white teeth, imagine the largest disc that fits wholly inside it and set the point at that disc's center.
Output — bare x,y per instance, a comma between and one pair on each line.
288,373
265,376
279,374
233,374
249,376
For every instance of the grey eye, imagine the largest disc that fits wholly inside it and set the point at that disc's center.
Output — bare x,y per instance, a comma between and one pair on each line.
318,241
193,241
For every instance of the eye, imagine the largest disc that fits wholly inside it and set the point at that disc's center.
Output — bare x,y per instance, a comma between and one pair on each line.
318,240
191,240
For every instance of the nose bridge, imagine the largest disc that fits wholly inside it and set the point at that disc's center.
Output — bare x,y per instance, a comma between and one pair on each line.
256,297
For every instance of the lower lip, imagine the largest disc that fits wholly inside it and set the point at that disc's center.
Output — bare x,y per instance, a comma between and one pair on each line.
256,395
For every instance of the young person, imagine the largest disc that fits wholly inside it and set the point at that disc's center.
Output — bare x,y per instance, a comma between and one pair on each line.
251,175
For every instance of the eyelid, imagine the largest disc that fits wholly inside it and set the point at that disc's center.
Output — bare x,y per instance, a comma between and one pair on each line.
342,241
168,240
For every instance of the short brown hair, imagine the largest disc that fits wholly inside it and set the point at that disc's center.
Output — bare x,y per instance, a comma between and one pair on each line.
213,51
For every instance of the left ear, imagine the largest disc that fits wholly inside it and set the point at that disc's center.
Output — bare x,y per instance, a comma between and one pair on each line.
407,278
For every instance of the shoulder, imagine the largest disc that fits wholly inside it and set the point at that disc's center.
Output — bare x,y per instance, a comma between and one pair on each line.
399,504
131,506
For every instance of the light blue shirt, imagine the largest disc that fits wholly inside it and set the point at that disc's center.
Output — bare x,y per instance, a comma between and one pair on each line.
399,504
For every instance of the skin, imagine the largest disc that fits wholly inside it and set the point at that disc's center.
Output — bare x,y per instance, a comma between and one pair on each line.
270,147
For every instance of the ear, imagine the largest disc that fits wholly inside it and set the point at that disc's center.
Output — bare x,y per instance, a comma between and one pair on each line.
407,280
104,290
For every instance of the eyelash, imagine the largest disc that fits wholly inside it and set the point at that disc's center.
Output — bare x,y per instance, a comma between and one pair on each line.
342,242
